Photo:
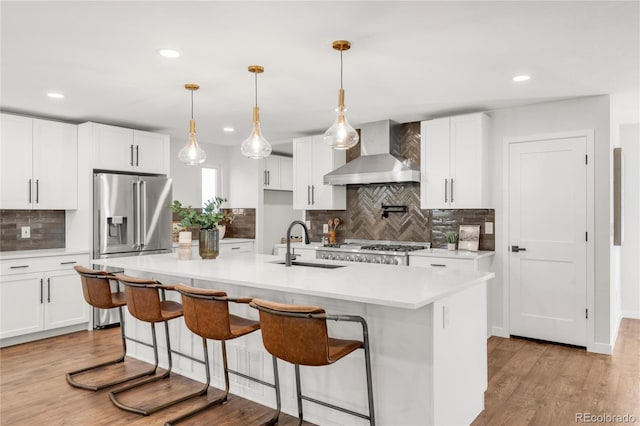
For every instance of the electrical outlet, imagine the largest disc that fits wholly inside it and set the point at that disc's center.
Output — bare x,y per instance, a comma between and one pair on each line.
325,228
488,228
26,232
308,223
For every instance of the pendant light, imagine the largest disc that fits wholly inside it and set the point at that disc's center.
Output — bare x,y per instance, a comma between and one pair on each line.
192,154
341,135
256,146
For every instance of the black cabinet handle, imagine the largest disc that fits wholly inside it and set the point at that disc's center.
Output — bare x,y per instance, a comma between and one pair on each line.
131,155
68,263
37,191
440,265
137,155
18,267
48,290
41,290
516,249
235,248
29,191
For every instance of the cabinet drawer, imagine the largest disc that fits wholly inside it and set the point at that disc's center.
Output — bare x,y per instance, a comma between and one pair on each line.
236,248
442,262
41,264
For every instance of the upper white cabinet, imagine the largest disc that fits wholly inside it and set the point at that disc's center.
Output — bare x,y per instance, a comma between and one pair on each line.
121,149
454,162
312,159
39,163
278,173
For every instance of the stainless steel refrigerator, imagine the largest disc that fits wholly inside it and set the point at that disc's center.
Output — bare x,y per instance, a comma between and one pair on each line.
131,217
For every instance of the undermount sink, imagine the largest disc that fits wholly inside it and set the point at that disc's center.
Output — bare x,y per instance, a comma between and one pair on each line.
313,265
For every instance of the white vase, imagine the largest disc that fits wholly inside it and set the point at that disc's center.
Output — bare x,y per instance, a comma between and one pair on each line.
221,230
451,246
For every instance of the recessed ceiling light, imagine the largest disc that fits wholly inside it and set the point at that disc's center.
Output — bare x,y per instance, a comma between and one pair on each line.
228,129
169,53
55,95
522,77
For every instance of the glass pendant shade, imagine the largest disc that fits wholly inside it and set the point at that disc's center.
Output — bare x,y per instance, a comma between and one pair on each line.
256,146
341,135
191,154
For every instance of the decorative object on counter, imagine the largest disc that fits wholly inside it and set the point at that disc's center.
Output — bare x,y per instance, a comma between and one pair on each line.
208,220
184,237
184,245
341,135
469,237
191,154
386,209
452,239
256,146
333,226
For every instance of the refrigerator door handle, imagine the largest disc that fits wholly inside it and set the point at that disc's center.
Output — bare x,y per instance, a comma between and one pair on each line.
136,215
143,212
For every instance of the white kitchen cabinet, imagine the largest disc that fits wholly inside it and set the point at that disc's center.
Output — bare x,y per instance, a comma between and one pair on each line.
121,149
39,162
470,261
312,159
278,173
41,294
235,248
455,162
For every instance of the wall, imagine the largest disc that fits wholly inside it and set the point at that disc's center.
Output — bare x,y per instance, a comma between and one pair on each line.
47,229
555,117
187,180
630,250
278,214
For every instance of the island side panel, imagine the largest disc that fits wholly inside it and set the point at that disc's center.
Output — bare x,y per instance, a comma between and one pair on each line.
460,356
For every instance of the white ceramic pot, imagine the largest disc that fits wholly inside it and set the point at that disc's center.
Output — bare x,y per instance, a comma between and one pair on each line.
221,230
451,246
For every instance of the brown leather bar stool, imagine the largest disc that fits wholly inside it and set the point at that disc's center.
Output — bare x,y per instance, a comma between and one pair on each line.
146,302
298,334
206,313
96,290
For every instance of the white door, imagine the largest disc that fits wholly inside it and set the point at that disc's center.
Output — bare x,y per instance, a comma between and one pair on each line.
64,302
113,149
547,237
302,166
150,152
434,174
21,300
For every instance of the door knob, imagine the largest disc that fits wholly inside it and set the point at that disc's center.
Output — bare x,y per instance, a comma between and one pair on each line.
516,249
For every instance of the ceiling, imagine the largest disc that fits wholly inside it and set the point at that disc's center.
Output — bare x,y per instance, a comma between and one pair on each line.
409,60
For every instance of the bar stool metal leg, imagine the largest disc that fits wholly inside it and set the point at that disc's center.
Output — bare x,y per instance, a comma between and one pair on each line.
70,376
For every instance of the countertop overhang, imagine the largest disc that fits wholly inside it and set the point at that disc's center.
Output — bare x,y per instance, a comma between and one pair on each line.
407,287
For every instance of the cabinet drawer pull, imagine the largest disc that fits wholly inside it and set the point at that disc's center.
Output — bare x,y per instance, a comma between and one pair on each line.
29,191
48,290
137,155
37,191
452,190
440,265
41,290
18,267
446,190
131,155
235,248
68,263
313,194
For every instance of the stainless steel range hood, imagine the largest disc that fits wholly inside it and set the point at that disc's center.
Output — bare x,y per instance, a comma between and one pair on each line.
380,160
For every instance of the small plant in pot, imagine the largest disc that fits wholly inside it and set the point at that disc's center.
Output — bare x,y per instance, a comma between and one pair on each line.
452,239
209,220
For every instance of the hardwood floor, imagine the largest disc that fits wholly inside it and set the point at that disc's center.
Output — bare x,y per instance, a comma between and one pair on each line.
530,383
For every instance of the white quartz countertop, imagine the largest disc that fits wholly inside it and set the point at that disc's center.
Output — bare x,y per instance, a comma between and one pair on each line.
401,287
453,254
27,254
310,246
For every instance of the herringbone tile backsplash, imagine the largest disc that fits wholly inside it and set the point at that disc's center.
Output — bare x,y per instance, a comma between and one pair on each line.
363,217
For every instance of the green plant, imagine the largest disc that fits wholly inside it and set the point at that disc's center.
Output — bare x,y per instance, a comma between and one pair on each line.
452,237
210,217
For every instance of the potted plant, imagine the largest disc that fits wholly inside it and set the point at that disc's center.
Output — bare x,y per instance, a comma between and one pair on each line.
452,239
209,220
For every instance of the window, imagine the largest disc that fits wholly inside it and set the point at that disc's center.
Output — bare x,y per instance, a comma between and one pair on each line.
210,184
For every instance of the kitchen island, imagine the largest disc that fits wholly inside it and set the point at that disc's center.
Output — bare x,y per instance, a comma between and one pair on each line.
427,332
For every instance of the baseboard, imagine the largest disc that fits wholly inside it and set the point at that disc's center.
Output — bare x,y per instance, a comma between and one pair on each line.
600,348
499,332
631,314
25,338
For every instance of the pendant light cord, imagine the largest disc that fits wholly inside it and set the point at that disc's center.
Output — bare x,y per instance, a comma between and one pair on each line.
341,69
256,85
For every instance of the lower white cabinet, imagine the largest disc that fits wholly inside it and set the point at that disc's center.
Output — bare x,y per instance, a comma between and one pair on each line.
481,262
41,294
233,248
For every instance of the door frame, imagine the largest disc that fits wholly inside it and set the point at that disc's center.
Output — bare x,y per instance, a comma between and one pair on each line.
588,134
